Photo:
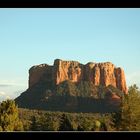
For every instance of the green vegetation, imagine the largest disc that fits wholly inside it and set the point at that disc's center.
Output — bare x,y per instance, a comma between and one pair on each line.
128,118
37,120
68,96
9,117
125,119
65,123
86,89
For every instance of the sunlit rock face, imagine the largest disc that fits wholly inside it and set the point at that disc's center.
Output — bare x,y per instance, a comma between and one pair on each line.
99,73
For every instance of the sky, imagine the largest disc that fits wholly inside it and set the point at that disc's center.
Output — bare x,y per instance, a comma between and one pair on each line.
39,35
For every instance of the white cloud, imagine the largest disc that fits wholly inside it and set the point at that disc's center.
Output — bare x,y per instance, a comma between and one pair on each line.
4,96
16,82
133,78
2,93
134,75
12,88
7,97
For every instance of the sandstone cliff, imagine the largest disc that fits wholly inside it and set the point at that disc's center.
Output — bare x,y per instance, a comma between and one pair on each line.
99,73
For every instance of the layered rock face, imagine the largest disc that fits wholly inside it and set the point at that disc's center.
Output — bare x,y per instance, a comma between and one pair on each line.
99,73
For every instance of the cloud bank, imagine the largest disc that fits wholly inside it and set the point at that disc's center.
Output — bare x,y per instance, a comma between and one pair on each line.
133,78
4,96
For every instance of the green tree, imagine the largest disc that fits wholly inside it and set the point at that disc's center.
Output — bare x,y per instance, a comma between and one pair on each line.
86,124
9,117
97,125
127,119
107,123
34,124
49,122
65,123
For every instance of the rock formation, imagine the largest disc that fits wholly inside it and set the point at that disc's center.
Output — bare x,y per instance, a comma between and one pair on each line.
99,73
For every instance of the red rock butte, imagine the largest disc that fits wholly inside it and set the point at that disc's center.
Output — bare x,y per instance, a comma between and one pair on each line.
99,73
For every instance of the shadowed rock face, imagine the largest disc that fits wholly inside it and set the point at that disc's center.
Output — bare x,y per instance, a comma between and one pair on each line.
99,73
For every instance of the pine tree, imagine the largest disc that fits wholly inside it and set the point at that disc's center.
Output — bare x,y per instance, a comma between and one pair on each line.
33,124
65,124
9,117
127,119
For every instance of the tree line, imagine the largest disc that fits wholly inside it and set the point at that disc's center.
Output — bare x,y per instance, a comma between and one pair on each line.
13,118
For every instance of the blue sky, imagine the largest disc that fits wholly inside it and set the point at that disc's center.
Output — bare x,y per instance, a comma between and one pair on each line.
34,36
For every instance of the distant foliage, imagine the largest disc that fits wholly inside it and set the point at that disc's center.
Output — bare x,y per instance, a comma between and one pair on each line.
67,88
9,117
69,96
86,89
62,121
126,118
